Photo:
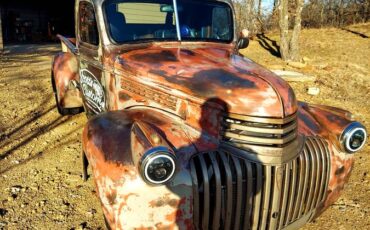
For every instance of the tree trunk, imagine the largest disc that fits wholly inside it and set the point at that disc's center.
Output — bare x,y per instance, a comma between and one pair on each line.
276,2
259,17
284,29
294,42
251,16
341,13
322,8
259,8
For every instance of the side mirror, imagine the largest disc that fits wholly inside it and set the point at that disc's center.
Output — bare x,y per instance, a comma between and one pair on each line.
243,41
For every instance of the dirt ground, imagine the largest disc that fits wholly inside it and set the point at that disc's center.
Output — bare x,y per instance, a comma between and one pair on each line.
40,162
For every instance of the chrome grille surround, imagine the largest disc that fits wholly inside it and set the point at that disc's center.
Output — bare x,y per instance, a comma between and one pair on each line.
276,132
231,192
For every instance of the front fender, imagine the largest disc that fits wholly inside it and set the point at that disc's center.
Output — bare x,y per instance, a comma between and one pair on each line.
113,143
329,123
64,72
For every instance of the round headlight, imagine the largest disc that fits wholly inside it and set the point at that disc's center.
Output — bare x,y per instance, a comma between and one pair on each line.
158,165
354,137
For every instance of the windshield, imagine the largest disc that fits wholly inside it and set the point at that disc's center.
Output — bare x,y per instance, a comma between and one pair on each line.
138,20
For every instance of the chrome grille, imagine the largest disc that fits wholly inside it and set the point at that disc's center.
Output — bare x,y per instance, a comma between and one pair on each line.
233,193
259,131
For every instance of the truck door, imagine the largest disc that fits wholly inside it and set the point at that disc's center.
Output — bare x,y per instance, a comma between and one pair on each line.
91,68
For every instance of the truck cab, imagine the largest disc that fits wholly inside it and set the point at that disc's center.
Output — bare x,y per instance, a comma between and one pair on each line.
186,133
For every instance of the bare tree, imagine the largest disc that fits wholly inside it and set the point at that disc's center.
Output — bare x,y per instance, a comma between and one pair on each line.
289,47
338,13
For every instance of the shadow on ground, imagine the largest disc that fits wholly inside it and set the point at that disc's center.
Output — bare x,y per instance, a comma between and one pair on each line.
43,49
355,32
27,135
269,45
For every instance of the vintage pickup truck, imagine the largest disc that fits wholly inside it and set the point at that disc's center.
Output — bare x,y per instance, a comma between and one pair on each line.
186,133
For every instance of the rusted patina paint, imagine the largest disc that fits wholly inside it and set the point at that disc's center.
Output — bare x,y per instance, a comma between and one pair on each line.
199,74
65,70
320,121
113,143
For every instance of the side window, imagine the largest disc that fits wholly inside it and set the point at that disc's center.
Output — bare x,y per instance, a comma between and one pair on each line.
88,28
221,19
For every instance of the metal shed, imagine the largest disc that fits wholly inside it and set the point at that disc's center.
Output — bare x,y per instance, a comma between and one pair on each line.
37,21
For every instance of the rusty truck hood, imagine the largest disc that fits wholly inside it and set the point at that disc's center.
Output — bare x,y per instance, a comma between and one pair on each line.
201,73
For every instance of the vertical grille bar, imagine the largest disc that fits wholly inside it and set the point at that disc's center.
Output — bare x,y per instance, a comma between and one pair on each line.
327,167
293,186
229,191
278,178
302,168
239,183
217,205
258,197
266,197
318,174
206,196
249,198
305,183
285,196
233,193
323,172
313,175
195,193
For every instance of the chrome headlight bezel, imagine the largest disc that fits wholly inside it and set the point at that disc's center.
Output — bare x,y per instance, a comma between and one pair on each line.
348,133
164,154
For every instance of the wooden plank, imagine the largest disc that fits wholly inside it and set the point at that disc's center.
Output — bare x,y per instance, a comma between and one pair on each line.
292,76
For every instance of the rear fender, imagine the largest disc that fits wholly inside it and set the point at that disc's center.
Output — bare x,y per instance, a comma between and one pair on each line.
114,143
65,78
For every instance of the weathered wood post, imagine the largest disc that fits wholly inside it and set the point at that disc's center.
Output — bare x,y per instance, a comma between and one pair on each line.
1,34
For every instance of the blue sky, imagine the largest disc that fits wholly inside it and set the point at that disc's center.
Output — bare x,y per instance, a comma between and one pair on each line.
267,4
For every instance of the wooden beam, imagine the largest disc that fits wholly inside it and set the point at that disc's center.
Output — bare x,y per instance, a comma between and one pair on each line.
1,34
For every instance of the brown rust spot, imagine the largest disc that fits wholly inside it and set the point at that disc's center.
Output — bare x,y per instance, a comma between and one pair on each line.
161,226
155,58
111,196
165,200
124,96
172,217
340,170
187,52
